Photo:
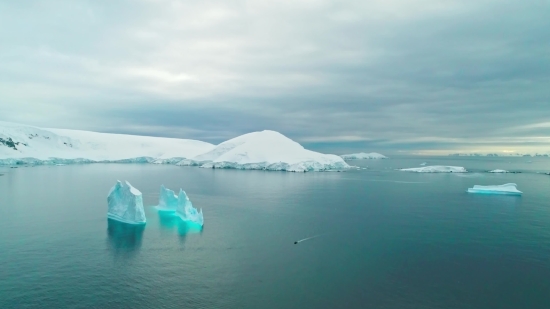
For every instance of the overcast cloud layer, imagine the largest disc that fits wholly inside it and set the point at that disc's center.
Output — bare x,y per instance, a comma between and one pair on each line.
422,76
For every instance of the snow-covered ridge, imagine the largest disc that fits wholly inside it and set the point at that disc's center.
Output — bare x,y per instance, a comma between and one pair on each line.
32,145
363,156
265,150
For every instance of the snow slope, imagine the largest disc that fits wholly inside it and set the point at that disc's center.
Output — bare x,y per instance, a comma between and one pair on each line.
436,169
69,146
362,156
266,150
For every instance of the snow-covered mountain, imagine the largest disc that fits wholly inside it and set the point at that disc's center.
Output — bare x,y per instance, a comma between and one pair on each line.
21,141
362,156
265,150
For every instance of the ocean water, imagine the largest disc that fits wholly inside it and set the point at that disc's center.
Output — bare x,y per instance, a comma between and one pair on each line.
382,238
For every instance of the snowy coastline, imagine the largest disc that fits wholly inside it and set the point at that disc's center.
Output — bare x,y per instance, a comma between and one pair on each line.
265,150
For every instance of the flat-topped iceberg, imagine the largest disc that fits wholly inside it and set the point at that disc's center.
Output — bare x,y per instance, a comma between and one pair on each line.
499,171
168,200
507,189
436,169
186,211
266,150
125,204
363,156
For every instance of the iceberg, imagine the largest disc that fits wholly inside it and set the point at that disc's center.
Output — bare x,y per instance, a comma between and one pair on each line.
168,200
125,204
363,156
436,169
499,171
506,189
186,211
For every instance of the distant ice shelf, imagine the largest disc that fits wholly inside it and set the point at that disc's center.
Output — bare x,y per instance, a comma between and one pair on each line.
436,169
363,156
125,204
505,189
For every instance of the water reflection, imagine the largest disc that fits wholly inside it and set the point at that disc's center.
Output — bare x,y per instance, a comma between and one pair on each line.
124,239
171,221
185,227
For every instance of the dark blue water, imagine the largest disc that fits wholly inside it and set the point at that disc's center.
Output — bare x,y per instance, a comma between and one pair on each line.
388,239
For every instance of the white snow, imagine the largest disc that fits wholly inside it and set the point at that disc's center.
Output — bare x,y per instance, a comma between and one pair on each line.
363,156
186,211
125,204
58,146
266,150
508,189
436,169
499,171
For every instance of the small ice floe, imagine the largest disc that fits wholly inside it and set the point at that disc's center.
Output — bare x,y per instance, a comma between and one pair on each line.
363,156
499,171
436,169
506,189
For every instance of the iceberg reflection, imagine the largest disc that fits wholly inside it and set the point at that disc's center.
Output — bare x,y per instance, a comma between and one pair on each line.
187,227
124,238
171,221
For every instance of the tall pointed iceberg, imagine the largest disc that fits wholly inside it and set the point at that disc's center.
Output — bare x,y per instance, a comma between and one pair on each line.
186,211
168,200
125,204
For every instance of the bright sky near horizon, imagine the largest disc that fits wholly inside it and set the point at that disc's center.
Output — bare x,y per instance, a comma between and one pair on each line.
420,76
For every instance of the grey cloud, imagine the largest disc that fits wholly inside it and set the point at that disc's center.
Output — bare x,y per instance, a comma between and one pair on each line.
384,75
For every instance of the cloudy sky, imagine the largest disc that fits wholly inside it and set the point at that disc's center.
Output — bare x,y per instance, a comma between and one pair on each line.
414,76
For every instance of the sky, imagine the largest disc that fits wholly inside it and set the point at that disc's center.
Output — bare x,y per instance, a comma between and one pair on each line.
393,76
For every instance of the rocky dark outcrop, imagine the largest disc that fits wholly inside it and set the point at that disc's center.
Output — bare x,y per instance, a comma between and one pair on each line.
9,142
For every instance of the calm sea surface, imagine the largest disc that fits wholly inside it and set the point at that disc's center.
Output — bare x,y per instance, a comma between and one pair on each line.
385,239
